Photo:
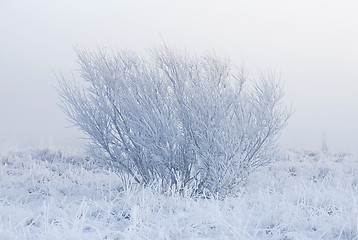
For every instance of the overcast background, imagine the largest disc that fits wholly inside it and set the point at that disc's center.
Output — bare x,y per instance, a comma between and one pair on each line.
312,44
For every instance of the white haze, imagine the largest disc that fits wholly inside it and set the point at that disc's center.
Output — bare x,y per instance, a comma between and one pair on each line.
311,44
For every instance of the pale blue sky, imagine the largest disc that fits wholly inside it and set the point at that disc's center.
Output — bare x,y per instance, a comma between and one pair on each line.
313,44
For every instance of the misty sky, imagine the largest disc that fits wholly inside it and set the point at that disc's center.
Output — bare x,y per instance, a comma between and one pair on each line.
312,44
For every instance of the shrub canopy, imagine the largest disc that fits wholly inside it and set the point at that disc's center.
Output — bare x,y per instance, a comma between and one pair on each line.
175,117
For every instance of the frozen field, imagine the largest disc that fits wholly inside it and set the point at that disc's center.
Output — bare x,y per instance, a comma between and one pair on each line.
49,194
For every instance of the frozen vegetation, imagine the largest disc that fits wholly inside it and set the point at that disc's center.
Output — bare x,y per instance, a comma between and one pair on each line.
180,147
52,194
188,121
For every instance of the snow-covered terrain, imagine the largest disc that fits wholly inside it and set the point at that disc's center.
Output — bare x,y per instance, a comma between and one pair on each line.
49,194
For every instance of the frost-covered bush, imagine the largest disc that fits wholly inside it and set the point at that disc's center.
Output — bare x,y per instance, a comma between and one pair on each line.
176,118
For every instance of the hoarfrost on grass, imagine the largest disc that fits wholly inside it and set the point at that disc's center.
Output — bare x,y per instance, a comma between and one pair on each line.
48,194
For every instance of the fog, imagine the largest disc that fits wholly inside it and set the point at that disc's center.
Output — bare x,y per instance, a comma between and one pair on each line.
312,45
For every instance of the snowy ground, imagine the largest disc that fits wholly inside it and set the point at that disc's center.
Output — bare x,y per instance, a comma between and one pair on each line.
47,194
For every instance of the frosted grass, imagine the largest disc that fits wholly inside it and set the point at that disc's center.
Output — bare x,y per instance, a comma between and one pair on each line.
48,194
